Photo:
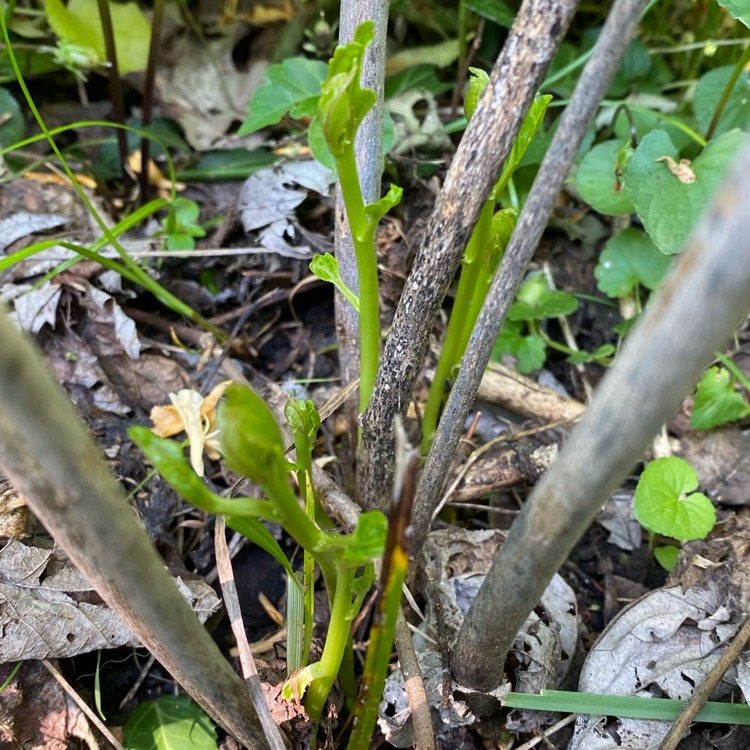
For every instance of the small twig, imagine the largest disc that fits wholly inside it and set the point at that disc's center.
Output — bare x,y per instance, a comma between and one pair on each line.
421,715
547,733
139,681
247,663
90,715
703,691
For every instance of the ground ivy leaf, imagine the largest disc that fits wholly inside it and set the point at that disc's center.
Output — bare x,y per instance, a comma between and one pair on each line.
663,505
630,258
535,301
291,86
600,353
737,9
169,722
668,207
708,92
597,180
716,401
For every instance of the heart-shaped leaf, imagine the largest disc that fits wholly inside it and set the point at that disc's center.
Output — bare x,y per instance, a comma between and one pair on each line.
668,202
663,504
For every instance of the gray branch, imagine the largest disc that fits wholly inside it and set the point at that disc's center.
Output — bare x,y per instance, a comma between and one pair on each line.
369,154
53,462
704,298
539,27
592,85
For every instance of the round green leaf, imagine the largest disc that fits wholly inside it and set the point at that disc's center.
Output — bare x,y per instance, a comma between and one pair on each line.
170,723
716,401
630,258
668,206
667,556
708,92
663,504
597,180
11,130
738,9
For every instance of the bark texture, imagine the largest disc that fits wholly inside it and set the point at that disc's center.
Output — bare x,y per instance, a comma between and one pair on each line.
539,27
595,79
369,154
704,298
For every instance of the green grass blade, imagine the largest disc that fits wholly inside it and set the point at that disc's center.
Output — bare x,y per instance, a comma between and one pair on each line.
626,706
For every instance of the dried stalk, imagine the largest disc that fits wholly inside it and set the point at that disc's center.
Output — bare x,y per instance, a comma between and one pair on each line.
702,301
539,27
595,79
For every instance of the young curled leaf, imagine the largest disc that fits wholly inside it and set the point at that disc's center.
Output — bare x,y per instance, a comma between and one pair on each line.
326,268
303,417
376,211
343,102
477,84
251,441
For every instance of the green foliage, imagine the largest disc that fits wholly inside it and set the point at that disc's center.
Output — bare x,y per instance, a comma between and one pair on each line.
708,93
669,205
630,259
599,178
666,556
666,504
169,723
12,127
181,226
536,301
78,23
529,349
737,9
343,102
501,12
251,442
292,87
717,401
326,268
477,84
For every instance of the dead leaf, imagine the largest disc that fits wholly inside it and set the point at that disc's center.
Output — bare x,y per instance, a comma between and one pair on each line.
37,714
48,610
36,307
453,565
662,645
194,415
268,201
23,223
618,518
681,170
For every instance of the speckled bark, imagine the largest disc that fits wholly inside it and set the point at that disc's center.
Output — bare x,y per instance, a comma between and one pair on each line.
593,83
515,78
704,298
369,153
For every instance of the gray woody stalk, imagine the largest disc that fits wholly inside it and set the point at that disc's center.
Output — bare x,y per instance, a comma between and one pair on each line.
369,154
539,27
593,83
705,297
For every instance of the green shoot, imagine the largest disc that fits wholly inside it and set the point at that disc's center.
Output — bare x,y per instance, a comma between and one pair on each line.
326,268
252,446
342,106
481,258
